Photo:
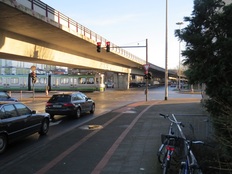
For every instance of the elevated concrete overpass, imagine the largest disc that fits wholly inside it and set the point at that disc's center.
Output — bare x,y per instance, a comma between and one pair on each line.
32,31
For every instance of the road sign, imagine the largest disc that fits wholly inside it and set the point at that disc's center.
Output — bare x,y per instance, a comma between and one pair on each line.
146,67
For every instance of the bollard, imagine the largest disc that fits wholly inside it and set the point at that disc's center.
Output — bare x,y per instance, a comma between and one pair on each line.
46,90
10,93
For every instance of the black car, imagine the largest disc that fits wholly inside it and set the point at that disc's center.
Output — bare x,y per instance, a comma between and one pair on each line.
18,121
5,97
69,103
132,85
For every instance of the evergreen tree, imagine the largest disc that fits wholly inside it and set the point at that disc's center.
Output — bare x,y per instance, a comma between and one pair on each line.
208,54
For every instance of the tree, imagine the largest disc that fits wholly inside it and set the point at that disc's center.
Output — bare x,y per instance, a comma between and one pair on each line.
208,54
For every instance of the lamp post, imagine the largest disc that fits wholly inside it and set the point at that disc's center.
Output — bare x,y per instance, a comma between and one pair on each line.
179,86
146,64
166,54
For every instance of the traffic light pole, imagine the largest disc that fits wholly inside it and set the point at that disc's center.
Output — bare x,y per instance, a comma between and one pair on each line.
146,90
33,86
108,50
146,63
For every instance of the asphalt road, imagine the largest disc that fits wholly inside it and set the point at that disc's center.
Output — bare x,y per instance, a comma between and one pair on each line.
110,99
114,109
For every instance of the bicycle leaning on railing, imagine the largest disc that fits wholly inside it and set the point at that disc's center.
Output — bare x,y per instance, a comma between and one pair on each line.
172,143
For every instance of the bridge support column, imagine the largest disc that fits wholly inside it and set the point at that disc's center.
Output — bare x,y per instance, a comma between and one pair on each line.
123,81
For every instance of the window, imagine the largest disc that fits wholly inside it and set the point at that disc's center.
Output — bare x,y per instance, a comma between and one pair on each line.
42,80
75,81
60,98
64,80
82,80
14,80
10,111
22,109
3,95
90,80
79,97
74,97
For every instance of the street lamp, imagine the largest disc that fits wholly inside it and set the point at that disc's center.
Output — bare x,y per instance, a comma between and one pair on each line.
166,54
179,86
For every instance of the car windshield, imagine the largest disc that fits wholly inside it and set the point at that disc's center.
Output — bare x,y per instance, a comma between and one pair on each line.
60,98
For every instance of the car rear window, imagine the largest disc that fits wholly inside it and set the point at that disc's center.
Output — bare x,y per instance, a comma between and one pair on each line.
3,95
60,98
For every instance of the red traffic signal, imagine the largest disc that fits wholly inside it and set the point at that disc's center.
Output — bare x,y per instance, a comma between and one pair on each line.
98,47
107,46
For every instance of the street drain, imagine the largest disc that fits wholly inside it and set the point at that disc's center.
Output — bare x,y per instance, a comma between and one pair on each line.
94,127
91,127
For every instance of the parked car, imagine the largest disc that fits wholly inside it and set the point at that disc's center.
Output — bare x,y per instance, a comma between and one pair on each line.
69,103
110,85
18,121
132,85
5,97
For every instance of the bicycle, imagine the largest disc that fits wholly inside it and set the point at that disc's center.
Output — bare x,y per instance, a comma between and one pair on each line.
188,164
170,143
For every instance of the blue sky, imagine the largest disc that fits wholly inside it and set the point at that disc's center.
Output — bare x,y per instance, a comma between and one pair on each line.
131,22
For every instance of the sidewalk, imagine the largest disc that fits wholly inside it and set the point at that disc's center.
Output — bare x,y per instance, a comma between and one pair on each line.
125,142
137,153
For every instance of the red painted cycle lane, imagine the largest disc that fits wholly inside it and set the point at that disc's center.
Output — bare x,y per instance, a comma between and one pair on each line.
109,153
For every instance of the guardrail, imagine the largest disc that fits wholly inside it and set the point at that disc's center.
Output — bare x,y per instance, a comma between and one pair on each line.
63,20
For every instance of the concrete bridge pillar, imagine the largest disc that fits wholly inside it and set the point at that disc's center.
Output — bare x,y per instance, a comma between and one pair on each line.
122,81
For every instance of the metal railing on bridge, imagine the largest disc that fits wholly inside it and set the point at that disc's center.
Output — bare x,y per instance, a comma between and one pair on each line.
64,21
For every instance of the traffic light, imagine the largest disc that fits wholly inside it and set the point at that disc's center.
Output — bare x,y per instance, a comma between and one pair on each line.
146,76
98,47
33,77
107,46
149,75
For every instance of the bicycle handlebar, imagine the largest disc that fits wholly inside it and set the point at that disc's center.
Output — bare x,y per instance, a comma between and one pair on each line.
172,120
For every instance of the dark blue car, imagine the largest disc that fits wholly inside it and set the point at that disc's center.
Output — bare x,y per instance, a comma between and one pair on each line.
5,97
69,103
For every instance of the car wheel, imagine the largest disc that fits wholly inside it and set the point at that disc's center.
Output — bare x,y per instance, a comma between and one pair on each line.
44,127
92,109
3,143
52,116
78,112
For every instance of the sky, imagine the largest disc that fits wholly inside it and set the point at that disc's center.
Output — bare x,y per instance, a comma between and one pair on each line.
131,22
